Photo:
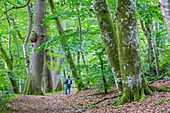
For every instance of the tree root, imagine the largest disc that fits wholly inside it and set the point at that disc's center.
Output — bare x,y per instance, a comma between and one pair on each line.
95,103
160,88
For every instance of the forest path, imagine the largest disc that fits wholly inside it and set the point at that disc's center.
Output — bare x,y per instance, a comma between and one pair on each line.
49,103
78,103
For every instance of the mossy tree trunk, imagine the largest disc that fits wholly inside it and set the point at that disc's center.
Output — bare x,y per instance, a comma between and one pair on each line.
69,58
33,85
133,81
109,37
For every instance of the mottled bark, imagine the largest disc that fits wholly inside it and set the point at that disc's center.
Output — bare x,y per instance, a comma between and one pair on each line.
133,81
33,85
69,58
109,37
165,9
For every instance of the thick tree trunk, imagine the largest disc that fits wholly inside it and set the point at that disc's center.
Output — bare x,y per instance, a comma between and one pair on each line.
69,58
109,37
165,8
133,81
48,82
33,85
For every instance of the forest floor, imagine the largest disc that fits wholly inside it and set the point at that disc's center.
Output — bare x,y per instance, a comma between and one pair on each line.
91,101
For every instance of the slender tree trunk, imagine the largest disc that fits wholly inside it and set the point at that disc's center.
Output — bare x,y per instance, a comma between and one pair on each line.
69,58
80,52
155,49
64,72
147,29
102,70
109,38
25,44
165,8
80,36
78,62
133,81
33,86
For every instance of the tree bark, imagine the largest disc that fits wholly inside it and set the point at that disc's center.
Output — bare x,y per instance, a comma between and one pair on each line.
102,70
133,81
33,86
165,9
155,49
109,38
48,82
69,58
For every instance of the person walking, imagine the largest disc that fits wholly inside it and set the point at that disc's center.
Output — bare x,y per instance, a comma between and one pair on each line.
68,83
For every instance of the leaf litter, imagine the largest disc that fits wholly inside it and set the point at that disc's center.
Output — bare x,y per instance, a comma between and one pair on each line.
91,101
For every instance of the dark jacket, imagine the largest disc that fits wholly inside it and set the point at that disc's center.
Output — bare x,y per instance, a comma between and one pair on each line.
67,82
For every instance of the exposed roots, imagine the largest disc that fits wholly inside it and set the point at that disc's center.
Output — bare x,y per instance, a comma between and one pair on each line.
160,88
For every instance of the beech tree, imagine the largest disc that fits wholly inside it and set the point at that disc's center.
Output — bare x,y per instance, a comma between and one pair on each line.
108,33
133,80
126,54
33,85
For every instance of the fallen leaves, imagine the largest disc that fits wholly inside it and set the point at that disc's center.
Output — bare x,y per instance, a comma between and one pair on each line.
89,102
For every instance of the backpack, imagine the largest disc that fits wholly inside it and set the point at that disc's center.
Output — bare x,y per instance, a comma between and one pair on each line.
69,81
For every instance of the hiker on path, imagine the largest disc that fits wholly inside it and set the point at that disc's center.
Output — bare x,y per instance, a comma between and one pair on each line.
68,83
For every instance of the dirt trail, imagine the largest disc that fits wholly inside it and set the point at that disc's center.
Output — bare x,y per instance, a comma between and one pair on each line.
78,103
41,104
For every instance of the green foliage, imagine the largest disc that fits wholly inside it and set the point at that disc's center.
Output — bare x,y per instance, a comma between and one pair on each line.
147,10
5,100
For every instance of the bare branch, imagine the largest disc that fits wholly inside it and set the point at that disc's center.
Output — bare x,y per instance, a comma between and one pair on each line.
17,7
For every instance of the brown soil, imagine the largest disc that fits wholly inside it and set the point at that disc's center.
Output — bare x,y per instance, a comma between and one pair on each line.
84,102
